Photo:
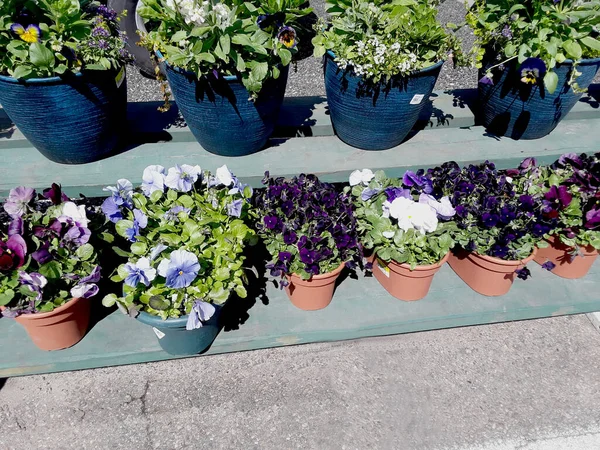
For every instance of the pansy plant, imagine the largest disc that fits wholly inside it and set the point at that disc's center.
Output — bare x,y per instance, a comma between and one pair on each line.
399,219
46,252
569,191
308,226
51,37
186,233
493,215
251,40
534,37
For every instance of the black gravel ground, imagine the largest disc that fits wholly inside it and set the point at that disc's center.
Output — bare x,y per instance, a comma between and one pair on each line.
308,78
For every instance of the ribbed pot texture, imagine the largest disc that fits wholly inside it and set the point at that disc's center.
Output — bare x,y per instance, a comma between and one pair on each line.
485,274
315,293
373,117
567,265
221,117
58,329
74,119
520,111
176,340
403,283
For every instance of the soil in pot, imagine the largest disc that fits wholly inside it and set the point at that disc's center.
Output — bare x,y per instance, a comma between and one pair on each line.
567,264
403,283
74,119
176,340
376,117
58,329
485,274
523,111
315,293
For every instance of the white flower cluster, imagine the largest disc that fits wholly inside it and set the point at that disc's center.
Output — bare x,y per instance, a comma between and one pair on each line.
411,215
192,11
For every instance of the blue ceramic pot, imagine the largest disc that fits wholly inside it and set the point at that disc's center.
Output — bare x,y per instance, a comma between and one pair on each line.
220,115
176,340
74,119
376,117
520,111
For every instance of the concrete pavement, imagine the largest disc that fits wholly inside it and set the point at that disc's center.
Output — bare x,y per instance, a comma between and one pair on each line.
531,385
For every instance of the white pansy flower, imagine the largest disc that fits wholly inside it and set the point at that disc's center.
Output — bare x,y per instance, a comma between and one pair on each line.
361,176
224,176
70,210
413,215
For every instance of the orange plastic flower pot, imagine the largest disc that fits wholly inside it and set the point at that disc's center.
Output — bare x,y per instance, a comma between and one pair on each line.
403,283
315,293
58,329
565,264
485,274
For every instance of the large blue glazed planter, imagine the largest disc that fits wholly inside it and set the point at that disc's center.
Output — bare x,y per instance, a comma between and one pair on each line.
176,340
514,109
74,119
372,117
220,115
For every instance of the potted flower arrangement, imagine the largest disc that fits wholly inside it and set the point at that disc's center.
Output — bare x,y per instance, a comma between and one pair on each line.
226,64
570,191
186,235
536,59
62,78
48,266
382,60
309,230
498,225
408,230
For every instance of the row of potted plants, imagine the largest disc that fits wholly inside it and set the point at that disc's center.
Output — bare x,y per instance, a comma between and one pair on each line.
227,65
184,234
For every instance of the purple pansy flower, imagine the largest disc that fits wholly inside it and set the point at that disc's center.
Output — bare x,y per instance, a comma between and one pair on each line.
111,210
93,277
285,256
548,265
367,193
55,194
12,253
270,222
572,159
234,208
77,235
84,290
140,221
487,79
34,281
289,237
180,270
16,226
139,272
393,193
172,215
287,36
532,70
18,201
122,193
182,177
201,312
42,255
592,218
523,273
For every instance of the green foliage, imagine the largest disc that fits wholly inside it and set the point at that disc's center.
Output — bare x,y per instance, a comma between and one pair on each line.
382,39
205,36
551,31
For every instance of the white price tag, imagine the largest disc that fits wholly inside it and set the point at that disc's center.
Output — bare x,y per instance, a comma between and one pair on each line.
384,269
159,334
417,99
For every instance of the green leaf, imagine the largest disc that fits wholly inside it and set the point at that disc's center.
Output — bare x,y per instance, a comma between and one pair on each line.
159,303
285,55
241,39
551,81
41,56
107,237
139,248
122,226
591,43
156,196
85,252
573,49
260,70
21,72
6,297
225,43
51,270
179,36
109,300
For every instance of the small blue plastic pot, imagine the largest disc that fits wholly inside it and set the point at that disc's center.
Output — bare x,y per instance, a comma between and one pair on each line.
520,111
74,119
176,340
220,115
376,117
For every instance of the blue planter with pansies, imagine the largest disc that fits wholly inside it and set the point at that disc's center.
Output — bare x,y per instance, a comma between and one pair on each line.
517,110
219,113
176,340
73,119
376,117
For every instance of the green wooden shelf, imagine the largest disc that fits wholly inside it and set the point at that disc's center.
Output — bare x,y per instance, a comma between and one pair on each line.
304,142
360,308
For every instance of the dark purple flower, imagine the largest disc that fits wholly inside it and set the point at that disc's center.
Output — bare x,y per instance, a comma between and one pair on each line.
592,218
532,70
93,277
42,255
270,222
489,220
54,229
77,235
313,269
287,207
539,229
12,253
266,21
548,265
393,193
285,256
100,31
289,237
559,197
16,226
107,13
55,194
523,273
487,79
307,256
527,202
571,158
528,163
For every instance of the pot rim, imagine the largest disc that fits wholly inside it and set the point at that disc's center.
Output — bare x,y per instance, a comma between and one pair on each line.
421,268
321,276
331,55
50,80
44,315
503,262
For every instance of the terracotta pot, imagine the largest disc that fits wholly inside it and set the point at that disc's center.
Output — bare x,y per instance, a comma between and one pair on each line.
485,274
58,329
315,293
403,283
566,265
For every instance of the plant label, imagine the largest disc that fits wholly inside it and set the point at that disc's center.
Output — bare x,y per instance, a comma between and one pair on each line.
417,99
159,334
384,269
120,77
